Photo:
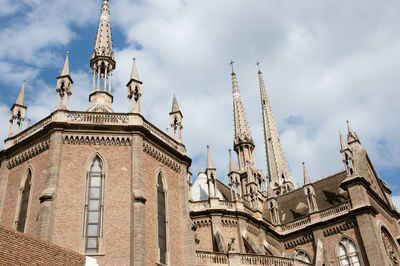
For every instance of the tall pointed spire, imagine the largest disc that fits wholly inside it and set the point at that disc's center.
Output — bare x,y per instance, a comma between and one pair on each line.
21,96
277,166
307,179
102,64
243,143
103,46
210,164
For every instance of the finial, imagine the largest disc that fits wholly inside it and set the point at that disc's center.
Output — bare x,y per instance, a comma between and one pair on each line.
258,66
230,152
67,52
231,63
208,147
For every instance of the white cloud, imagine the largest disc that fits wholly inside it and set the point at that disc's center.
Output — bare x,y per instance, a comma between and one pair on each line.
323,63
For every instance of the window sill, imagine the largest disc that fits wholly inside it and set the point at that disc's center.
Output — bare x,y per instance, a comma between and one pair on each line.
160,264
94,254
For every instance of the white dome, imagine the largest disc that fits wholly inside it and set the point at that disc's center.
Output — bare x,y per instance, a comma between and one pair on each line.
199,189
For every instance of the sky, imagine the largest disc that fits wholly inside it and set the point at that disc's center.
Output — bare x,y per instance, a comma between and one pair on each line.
324,62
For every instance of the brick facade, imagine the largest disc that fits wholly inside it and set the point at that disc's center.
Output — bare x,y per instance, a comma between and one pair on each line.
20,249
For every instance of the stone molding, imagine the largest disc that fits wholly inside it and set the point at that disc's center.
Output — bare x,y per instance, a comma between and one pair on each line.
252,229
299,241
161,157
229,223
28,154
97,140
202,223
271,241
339,228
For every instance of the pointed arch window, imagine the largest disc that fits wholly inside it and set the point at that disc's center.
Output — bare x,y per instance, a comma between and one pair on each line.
390,247
347,253
161,217
25,192
94,207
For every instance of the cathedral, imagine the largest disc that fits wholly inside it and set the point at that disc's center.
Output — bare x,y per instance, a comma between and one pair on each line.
115,188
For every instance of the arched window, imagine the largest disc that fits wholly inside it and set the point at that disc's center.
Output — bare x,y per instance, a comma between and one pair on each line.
24,202
94,206
347,253
161,217
302,255
390,247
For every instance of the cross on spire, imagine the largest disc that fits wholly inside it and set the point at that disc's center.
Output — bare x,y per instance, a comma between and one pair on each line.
231,63
258,66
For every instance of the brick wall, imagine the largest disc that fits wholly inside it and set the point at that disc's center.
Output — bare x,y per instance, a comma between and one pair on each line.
20,249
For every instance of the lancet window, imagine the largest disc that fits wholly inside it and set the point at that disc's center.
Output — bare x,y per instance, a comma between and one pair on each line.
347,253
25,192
94,207
390,248
162,222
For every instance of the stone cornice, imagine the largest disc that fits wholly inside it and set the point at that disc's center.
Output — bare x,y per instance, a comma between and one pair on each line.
28,153
161,157
76,139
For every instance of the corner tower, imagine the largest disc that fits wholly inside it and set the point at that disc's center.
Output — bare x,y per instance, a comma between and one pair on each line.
102,64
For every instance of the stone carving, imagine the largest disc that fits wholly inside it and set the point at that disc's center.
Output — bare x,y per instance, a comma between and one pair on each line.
28,154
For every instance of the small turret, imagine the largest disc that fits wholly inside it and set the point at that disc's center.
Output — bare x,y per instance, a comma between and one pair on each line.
134,90
309,191
211,175
347,155
18,111
352,138
64,84
234,178
176,120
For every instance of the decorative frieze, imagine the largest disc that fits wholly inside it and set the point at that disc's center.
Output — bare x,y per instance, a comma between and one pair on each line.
97,140
271,241
299,241
202,223
339,228
28,154
252,230
160,156
229,222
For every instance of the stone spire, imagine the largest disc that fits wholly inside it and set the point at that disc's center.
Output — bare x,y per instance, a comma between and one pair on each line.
21,96
65,69
243,143
211,173
64,84
210,164
176,120
103,46
277,166
232,165
343,144
102,64
307,179
351,135
175,106
134,90
18,111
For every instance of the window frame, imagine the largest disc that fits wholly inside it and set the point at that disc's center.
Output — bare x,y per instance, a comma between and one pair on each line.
167,231
20,199
85,223
348,255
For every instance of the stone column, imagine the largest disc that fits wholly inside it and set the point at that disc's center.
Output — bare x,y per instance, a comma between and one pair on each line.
371,239
138,212
189,247
48,198
3,183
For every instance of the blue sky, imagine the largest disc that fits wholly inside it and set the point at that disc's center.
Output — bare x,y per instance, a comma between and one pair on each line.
323,63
